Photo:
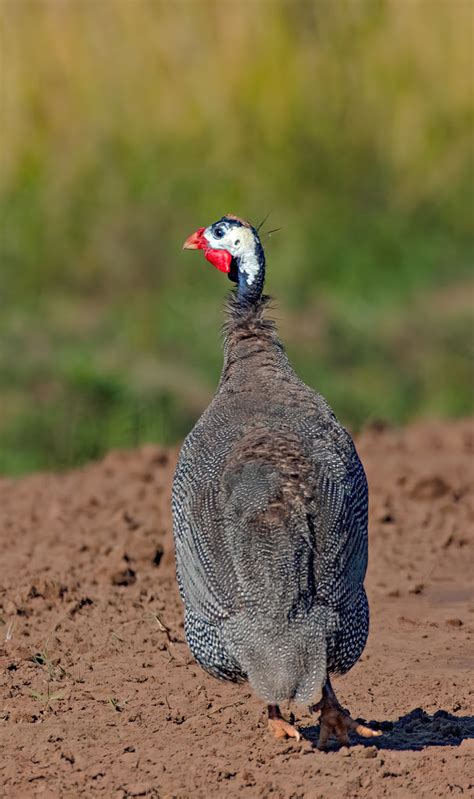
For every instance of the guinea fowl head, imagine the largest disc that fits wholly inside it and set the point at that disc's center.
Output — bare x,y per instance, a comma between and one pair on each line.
233,246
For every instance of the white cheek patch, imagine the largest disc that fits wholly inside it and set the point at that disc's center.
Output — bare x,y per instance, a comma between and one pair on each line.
250,266
248,261
240,243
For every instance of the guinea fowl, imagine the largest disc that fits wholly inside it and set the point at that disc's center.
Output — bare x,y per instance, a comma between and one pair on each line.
270,515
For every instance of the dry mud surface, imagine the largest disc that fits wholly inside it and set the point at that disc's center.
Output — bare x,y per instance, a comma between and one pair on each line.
99,694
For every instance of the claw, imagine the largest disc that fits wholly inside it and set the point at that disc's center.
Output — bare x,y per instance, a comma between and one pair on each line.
365,732
335,720
279,727
282,729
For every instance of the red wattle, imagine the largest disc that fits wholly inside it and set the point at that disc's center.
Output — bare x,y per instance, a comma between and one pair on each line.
221,259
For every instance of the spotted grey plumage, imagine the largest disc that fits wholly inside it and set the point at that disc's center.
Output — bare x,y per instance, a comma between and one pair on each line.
270,511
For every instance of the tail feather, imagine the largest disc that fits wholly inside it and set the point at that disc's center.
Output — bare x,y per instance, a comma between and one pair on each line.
281,662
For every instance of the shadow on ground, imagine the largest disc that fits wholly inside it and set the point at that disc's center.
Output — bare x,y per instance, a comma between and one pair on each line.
412,732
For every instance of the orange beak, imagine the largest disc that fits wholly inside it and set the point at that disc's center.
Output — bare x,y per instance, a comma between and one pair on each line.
196,241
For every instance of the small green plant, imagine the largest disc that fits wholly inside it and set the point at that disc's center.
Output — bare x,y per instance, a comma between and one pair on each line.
117,704
43,658
162,627
48,697
154,617
54,672
9,630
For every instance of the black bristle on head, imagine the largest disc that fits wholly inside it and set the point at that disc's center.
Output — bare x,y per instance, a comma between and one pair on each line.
275,230
262,222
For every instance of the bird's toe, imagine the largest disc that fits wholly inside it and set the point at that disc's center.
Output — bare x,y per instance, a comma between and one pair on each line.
282,729
362,730
337,721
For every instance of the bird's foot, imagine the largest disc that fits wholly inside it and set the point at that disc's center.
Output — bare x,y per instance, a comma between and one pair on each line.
283,729
279,727
335,720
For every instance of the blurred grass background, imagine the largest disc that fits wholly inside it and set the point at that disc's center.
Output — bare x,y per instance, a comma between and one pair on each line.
126,124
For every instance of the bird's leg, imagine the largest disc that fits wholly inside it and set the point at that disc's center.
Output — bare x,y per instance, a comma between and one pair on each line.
278,726
335,720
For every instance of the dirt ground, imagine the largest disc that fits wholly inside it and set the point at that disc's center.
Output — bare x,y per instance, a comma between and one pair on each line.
100,696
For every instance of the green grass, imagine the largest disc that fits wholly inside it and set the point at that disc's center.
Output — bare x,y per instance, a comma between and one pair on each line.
126,125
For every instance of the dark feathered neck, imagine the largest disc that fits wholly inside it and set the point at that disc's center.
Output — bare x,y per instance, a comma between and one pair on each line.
248,271
245,318
251,344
